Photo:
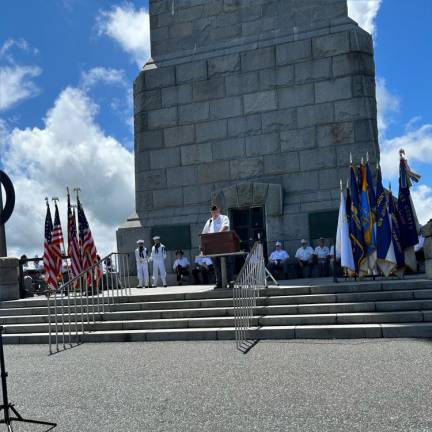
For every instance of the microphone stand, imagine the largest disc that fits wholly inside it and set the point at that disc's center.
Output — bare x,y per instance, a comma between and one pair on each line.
7,406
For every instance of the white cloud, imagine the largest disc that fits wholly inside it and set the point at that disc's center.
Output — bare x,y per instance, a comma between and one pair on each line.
101,75
16,84
422,198
16,81
417,144
130,28
71,149
364,12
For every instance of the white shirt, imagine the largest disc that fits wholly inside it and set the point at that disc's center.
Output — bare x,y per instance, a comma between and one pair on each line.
322,252
304,254
182,262
201,260
281,255
216,225
420,244
160,254
141,257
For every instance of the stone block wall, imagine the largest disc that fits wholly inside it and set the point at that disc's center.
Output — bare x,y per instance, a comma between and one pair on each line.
244,91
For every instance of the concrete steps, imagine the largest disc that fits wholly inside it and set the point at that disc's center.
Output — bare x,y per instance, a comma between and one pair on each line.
346,310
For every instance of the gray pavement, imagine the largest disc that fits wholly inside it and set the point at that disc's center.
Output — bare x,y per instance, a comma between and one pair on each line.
361,385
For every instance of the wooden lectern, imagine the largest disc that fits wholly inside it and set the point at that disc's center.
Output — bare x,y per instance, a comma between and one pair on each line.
224,242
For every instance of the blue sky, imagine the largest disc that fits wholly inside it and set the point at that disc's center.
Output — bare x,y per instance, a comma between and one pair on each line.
66,72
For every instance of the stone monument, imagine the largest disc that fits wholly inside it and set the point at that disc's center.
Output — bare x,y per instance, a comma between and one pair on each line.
254,105
9,270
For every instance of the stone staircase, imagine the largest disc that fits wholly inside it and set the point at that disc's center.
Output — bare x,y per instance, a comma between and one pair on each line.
343,310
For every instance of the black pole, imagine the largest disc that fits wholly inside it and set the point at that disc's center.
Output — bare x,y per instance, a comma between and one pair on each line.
8,419
3,381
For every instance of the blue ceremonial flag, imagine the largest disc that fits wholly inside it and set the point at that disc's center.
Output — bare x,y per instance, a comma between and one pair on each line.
409,236
395,230
371,191
386,259
355,226
367,220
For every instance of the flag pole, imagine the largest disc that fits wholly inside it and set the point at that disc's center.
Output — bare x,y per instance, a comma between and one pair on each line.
70,270
56,200
74,206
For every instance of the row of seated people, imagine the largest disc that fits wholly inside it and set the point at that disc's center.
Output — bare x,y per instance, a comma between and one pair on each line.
307,262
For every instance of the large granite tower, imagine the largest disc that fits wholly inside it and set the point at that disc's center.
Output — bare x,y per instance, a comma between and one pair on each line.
254,105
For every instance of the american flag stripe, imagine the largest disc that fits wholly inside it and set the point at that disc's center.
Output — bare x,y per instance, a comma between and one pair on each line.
48,258
88,247
57,242
73,245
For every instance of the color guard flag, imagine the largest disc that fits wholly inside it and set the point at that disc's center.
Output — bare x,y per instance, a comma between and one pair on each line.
355,226
386,258
343,242
73,244
395,230
57,243
367,221
408,217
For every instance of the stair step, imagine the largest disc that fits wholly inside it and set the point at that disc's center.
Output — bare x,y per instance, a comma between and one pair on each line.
342,331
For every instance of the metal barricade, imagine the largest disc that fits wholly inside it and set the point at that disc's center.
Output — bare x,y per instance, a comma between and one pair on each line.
249,282
76,305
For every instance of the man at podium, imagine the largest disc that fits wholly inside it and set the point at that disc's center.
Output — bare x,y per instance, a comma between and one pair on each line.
218,223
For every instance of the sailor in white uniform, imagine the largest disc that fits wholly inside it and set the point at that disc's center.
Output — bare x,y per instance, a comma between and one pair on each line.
158,256
142,264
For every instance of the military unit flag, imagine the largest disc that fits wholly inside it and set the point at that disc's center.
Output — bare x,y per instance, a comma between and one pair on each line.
378,230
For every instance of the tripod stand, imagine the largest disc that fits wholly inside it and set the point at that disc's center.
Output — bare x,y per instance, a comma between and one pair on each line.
7,407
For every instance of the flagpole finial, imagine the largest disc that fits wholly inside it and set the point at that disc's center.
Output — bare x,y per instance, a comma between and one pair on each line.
350,158
67,189
47,200
367,156
347,184
77,190
401,153
362,161
341,187
55,199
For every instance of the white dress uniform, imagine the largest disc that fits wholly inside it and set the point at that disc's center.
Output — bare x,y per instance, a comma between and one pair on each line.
142,266
158,257
215,225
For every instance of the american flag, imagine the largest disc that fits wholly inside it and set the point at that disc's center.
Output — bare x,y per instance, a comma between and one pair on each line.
88,247
73,245
57,243
48,258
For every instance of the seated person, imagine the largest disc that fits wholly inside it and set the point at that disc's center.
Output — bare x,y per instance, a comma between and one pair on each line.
38,279
203,266
181,266
278,259
322,253
304,259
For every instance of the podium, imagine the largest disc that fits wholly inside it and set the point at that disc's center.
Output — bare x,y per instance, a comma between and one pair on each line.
221,245
224,242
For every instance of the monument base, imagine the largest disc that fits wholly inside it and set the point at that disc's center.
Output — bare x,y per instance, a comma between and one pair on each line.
9,279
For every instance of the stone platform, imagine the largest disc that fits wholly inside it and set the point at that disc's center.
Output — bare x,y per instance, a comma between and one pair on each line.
299,310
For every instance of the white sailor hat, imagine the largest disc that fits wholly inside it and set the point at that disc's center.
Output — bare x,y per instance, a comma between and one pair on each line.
156,237
303,241
278,243
140,242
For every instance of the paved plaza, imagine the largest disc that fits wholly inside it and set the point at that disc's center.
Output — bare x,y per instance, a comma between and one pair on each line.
357,385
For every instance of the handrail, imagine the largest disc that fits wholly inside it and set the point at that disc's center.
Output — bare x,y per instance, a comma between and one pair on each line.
250,280
86,289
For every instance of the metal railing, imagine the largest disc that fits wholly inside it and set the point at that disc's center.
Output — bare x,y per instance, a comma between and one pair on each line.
77,304
250,280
